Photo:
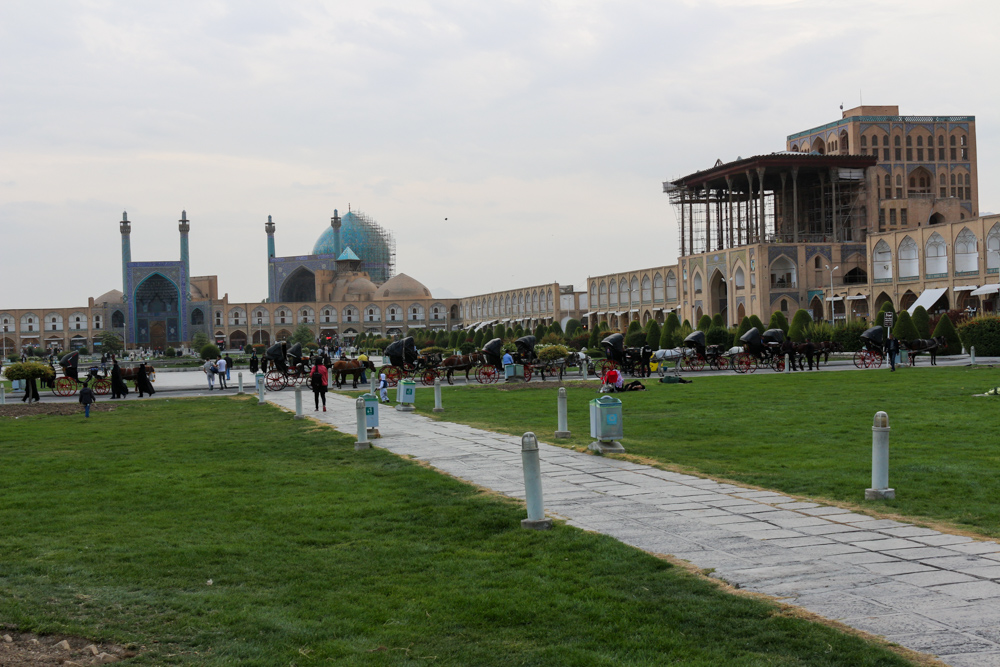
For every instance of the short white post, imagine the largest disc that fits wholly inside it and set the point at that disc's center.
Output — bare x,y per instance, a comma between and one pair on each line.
239,379
260,389
298,402
788,363
3,395
533,484
374,385
880,460
972,353
562,428
584,368
362,442
437,395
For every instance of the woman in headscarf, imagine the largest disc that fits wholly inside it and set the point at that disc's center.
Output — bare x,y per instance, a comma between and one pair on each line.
318,379
253,362
118,387
142,383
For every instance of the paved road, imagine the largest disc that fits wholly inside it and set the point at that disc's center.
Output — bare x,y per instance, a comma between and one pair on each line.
929,591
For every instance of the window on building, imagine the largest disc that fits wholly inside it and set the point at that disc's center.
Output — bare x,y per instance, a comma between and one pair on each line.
953,179
899,155
951,140
909,154
965,153
920,141
965,140
864,141
888,183
920,155
909,141
892,217
954,154
902,217
885,154
940,140
881,217
895,141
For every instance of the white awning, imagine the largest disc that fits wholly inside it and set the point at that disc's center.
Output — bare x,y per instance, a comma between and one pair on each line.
965,288
992,288
927,298
856,298
589,314
414,326
834,298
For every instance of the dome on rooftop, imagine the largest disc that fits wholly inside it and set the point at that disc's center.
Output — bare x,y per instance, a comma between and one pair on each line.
373,245
401,286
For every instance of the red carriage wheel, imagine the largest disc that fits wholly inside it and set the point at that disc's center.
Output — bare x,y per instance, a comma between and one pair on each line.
741,362
393,375
860,359
778,363
486,375
720,363
876,360
527,373
102,387
605,365
428,376
64,387
274,381
696,363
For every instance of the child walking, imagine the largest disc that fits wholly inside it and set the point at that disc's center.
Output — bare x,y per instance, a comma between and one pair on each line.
86,398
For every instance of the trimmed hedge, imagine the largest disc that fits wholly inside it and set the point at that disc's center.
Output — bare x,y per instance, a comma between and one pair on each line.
849,335
705,323
797,330
922,321
904,328
718,336
983,333
947,329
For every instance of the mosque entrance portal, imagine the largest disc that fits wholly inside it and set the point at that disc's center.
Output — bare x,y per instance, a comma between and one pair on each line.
300,287
158,335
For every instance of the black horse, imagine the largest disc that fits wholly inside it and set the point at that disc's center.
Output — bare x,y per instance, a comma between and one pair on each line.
931,345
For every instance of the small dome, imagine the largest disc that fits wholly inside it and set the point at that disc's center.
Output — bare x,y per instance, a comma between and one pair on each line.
402,285
361,286
112,296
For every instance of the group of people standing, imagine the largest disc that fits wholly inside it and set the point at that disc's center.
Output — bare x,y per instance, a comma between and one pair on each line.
221,368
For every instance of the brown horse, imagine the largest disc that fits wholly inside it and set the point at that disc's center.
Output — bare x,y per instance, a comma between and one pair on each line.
825,347
915,347
793,350
354,367
462,362
130,373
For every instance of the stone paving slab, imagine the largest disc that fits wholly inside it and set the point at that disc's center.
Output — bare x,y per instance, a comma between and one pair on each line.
923,589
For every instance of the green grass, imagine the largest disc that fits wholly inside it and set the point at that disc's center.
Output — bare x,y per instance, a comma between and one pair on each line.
321,555
800,433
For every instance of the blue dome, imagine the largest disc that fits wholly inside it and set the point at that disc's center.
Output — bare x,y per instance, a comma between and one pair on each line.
366,238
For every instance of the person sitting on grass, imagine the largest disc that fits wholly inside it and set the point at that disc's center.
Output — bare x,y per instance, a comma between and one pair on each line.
86,398
614,381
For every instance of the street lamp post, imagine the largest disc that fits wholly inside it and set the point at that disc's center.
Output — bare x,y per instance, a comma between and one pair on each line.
831,293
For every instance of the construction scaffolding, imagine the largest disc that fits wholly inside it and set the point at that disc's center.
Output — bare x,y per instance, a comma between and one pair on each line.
777,198
372,243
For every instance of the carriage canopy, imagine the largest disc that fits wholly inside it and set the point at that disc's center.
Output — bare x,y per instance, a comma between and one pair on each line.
875,335
70,361
525,344
277,351
295,353
773,336
751,337
614,347
494,347
404,349
695,339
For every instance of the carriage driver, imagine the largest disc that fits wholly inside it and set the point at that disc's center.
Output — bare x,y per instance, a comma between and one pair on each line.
363,358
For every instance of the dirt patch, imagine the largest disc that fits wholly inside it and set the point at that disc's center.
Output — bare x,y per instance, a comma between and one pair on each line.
523,386
19,409
25,649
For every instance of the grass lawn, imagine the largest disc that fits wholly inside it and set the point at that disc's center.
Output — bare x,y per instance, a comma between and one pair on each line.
317,554
800,433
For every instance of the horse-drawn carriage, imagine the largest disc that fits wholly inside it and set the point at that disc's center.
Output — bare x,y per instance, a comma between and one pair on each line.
632,360
69,383
288,366
760,349
702,354
872,347
403,359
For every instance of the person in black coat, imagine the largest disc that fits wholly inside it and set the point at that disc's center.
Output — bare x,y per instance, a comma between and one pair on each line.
892,349
142,383
31,392
118,387
253,363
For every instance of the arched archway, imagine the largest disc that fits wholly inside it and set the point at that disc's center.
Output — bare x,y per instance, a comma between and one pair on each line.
157,301
880,300
261,337
299,287
741,312
935,219
719,290
907,299
817,309
237,340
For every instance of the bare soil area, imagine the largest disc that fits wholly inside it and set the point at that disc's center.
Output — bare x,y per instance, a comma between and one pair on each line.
25,649
18,409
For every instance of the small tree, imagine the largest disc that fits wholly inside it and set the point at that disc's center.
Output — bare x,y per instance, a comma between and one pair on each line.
477,340
499,331
169,352
904,328
756,322
797,330
633,327
209,351
508,334
705,323
635,339
28,370
667,336
199,340
983,333
922,321
672,323
302,334
778,321
111,342
540,332
594,341
718,336
653,334
603,326
744,327
717,321
572,325
453,340
555,328
947,329
687,324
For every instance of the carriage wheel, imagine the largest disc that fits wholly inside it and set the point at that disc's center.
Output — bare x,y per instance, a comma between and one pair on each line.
393,374
696,363
102,387
527,373
720,364
778,364
861,359
486,374
428,376
64,387
275,381
605,365
741,362
876,360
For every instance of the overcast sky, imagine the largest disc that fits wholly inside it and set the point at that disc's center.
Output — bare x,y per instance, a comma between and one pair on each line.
540,130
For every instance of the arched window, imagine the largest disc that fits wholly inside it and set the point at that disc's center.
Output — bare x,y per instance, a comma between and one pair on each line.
671,286
613,293
966,251
697,283
819,262
993,247
899,179
951,140
965,140
783,274
647,289
909,141
936,255
920,142
416,312
864,141
739,278
394,313
635,291
940,140
882,261
895,140
909,259
118,320
888,181
658,287
351,314
784,305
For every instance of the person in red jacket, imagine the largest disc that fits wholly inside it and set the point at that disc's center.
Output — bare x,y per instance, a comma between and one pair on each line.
317,380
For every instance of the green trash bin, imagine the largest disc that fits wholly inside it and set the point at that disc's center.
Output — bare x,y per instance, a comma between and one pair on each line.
371,410
606,419
513,372
406,392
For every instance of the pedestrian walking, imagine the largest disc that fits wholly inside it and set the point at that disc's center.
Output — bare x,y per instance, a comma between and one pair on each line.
253,363
86,398
317,380
363,358
30,392
229,366
118,387
892,349
142,383
210,372
223,369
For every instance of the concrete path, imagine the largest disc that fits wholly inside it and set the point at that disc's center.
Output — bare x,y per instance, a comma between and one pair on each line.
928,591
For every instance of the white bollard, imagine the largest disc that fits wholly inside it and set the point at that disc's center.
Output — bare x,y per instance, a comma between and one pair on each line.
562,421
584,370
880,460
298,402
437,395
260,389
362,442
239,379
374,385
788,363
3,395
972,353
533,484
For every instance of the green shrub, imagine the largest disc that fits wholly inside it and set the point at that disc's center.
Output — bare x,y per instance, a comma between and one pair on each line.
983,333
947,329
453,339
553,339
633,327
756,322
477,340
499,331
797,330
717,321
719,336
653,334
705,323
819,331
879,318
744,327
904,328
672,323
169,352
572,325
467,347
198,340
83,349
540,332
594,340
681,334
579,341
922,321
28,370
603,326
778,321
434,349
551,352
667,337
635,339
556,329
849,335
209,351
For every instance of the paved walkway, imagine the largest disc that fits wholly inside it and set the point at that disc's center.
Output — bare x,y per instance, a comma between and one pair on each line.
928,591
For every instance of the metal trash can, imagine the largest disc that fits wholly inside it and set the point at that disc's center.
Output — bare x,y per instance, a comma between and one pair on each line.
513,371
371,410
606,418
406,392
